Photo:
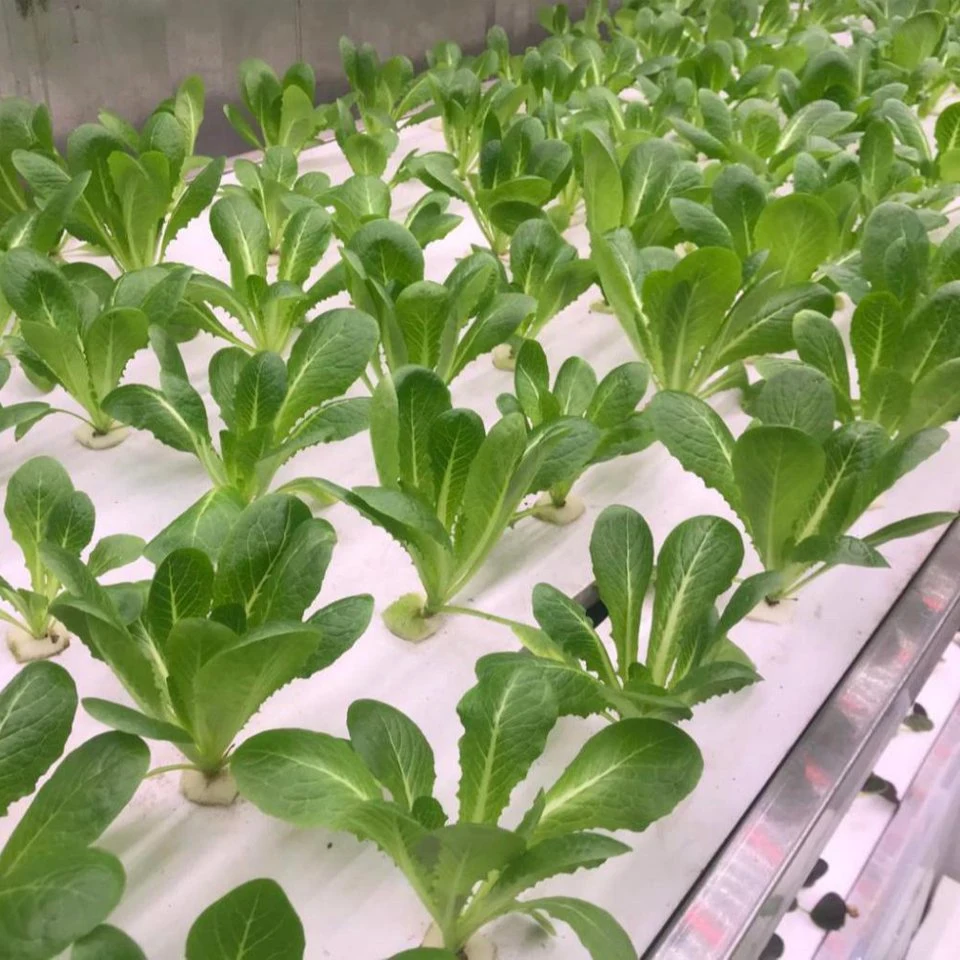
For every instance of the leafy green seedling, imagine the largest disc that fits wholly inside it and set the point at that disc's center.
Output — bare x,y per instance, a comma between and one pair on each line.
689,657
277,189
464,107
476,310
448,489
78,328
55,886
26,126
367,150
615,427
905,335
271,408
520,171
269,312
280,113
545,266
38,228
43,507
471,871
440,326
797,483
905,330
29,219
137,198
384,92
206,642
734,297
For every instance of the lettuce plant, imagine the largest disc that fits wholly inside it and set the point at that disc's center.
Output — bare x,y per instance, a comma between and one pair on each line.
796,482
440,326
209,639
464,107
545,266
449,489
476,309
269,312
471,871
56,886
42,506
613,425
905,330
384,92
688,658
280,113
137,198
78,328
694,317
275,186
26,126
367,150
271,408
40,229
24,221
520,171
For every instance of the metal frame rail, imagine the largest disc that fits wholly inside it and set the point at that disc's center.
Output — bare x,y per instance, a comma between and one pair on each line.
735,907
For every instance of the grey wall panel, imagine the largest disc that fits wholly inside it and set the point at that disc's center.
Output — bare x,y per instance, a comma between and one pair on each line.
81,55
413,26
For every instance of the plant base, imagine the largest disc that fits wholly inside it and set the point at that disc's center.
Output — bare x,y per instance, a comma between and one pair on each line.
779,613
87,437
404,619
503,357
26,647
547,511
478,946
220,790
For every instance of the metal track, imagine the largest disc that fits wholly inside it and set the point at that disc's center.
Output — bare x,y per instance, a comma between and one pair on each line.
736,905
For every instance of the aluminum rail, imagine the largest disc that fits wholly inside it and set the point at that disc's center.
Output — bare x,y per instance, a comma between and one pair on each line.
891,892
732,911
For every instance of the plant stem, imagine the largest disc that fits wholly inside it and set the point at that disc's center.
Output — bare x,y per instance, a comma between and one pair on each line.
14,622
170,768
799,584
76,416
480,615
520,514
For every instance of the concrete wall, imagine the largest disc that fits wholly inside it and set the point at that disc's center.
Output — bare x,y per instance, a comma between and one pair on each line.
81,55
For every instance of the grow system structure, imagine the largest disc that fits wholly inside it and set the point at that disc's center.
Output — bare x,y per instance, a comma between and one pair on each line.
686,203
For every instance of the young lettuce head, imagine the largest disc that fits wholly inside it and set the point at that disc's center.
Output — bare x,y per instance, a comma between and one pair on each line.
469,871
